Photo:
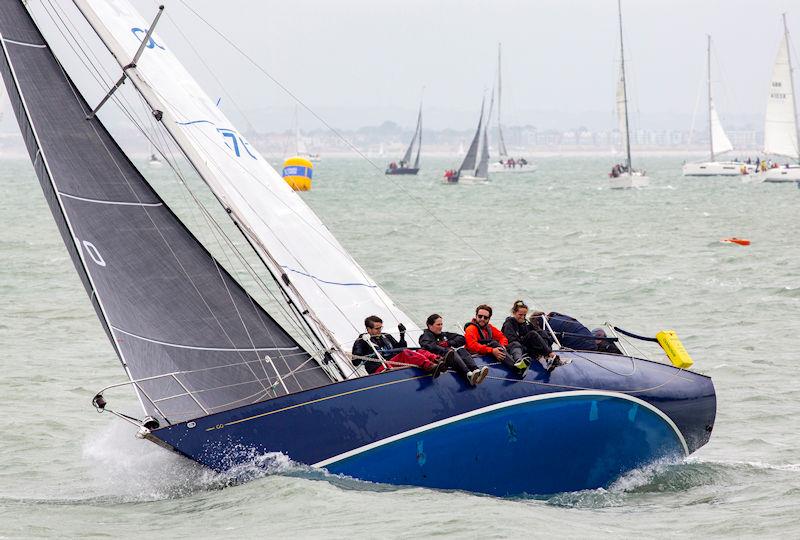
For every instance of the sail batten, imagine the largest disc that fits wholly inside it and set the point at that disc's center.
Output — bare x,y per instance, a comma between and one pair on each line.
282,228
144,271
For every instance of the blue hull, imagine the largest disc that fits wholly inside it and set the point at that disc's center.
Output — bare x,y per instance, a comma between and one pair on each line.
580,427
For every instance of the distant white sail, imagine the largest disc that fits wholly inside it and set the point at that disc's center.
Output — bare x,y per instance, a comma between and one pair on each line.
622,124
721,142
294,244
299,143
780,128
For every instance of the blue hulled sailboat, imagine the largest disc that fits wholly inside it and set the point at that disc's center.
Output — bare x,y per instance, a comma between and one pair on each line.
218,378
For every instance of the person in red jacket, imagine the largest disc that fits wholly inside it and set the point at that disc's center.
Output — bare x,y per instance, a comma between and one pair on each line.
483,338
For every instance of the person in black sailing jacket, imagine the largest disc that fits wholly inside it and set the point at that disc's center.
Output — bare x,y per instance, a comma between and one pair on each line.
451,346
379,351
524,341
603,343
571,332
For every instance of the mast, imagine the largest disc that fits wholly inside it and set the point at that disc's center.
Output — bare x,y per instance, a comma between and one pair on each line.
419,135
499,98
791,86
710,130
501,143
624,90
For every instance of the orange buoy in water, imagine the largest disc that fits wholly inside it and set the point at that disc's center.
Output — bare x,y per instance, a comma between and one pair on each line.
734,240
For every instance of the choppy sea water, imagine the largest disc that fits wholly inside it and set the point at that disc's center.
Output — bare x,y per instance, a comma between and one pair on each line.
647,260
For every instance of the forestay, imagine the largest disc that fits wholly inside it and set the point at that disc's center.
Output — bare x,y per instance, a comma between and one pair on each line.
293,242
780,129
172,313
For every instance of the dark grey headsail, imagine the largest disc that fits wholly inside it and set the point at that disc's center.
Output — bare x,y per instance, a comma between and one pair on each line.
472,153
172,313
416,141
482,170
419,137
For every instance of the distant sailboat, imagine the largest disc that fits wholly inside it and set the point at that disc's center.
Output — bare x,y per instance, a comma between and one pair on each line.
624,176
781,128
718,142
475,166
301,150
505,163
153,160
416,141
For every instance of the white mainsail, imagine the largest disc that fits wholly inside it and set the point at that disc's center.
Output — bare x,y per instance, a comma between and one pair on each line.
720,141
300,147
780,128
334,293
621,111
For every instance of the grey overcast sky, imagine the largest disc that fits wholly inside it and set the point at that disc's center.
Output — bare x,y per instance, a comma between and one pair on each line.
362,62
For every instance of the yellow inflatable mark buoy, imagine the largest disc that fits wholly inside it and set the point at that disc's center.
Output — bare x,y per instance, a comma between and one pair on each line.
675,350
297,172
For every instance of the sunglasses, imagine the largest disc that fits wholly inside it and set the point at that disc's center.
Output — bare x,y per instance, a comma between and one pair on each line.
487,317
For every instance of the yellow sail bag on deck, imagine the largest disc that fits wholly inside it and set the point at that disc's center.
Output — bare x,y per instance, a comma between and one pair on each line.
675,350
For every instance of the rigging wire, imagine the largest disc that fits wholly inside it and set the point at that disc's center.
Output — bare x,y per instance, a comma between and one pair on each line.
349,144
130,112
290,315
144,208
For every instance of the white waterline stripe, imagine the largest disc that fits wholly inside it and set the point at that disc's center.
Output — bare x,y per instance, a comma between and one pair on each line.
179,346
108,202
503,405
34,45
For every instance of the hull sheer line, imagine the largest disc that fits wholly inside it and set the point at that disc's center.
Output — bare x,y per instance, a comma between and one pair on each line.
198,348
98,201
319,400
498,406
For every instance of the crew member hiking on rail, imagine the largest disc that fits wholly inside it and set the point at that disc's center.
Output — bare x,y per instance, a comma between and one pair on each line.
525,342
451,346
381,351
483,338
